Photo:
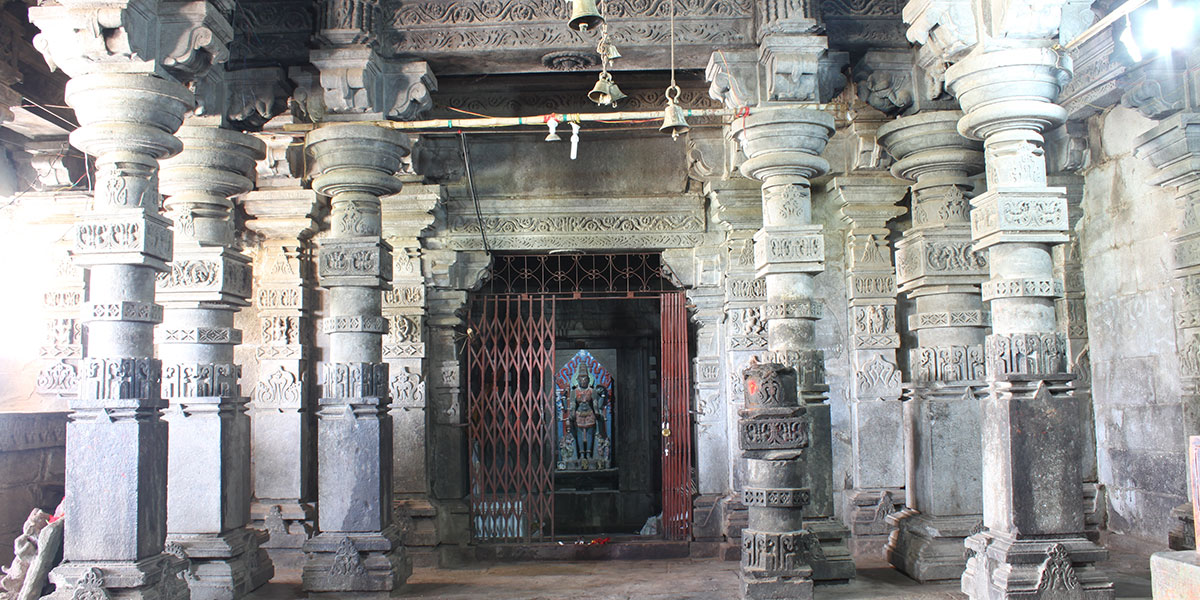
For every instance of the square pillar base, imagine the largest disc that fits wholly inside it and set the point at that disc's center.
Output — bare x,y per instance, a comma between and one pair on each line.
834,563
355,562
755,587
1175,575
224,567
929,548
1002,567
158,577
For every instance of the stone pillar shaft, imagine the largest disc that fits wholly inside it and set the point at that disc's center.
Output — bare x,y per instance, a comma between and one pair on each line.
115,473
357,549
868,202
208,474
1034,541
940,273
783,147
281,414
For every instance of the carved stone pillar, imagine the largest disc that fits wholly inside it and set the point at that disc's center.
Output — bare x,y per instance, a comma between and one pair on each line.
1173,147
1034,541
737,203
115,473
358,549
783,147
941,274
405,216
282,412
1066,152
62,348
208,472
868,202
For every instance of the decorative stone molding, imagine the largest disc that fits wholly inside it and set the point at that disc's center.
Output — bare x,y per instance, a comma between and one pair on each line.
868,202
355,164
884,80
782,146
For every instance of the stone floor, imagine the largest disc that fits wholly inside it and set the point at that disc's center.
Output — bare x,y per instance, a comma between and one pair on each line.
675,579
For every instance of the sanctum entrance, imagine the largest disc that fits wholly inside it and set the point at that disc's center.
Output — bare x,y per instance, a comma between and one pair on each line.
577,399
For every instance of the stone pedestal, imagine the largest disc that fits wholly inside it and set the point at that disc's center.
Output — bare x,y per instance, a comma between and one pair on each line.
783,147
358,549
868,202
941,274
1175,575
208,474
115,473
1035,541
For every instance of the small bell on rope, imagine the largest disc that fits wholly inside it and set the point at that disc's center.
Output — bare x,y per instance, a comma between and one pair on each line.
605,92
674,122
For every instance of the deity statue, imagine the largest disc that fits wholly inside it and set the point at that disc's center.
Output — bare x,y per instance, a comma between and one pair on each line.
584,406
587,408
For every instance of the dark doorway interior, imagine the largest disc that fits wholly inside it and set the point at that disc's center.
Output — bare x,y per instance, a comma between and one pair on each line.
618,499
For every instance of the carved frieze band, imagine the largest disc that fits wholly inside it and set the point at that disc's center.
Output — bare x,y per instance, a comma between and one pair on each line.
763,431
948,363
194,275
354,380
358,264
269,298
873,286
745,329
809,365
121,379
408,389
279,389
789,249
354,324
1029,216
800,309
145,312
201,335
111,240
199,380
1021,288
776,497
780,553
924,257
949,318
1026,354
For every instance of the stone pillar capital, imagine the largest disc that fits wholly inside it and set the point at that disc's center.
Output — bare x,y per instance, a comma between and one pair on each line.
123,113
356,82
356,158
1009,90
784,142
928,144
282,214
215,164
800,68
256,95
867,201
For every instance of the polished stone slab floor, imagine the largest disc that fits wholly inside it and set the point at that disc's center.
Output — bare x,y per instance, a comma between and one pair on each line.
673,579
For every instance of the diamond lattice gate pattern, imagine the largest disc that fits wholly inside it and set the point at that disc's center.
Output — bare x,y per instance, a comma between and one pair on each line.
510,417
510,405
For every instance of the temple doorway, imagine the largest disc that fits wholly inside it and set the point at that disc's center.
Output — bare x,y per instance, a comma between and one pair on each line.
577,399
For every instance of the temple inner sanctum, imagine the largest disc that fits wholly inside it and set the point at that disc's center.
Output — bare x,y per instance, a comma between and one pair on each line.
708,299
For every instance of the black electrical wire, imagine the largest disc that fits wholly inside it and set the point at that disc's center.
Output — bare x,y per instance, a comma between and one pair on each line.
462,139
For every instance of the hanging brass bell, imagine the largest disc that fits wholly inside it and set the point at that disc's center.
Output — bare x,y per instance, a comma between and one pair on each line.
584,15
610,52
605,92
674,122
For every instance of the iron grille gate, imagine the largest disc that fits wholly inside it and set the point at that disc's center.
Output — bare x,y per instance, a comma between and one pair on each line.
510,363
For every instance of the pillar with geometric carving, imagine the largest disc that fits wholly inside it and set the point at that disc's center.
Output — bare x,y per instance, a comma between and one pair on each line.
783,147
941,275
358,547
282,410
208,460
115,474
405,216
737,203
868,202
1173,147
1034,541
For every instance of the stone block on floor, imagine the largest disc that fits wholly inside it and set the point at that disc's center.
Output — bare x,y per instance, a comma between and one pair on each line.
1175,575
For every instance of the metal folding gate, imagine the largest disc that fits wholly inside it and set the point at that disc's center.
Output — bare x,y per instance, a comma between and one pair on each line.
510,415
510,407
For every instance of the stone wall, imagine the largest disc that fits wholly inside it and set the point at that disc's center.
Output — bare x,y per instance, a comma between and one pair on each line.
32,452
1128,263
